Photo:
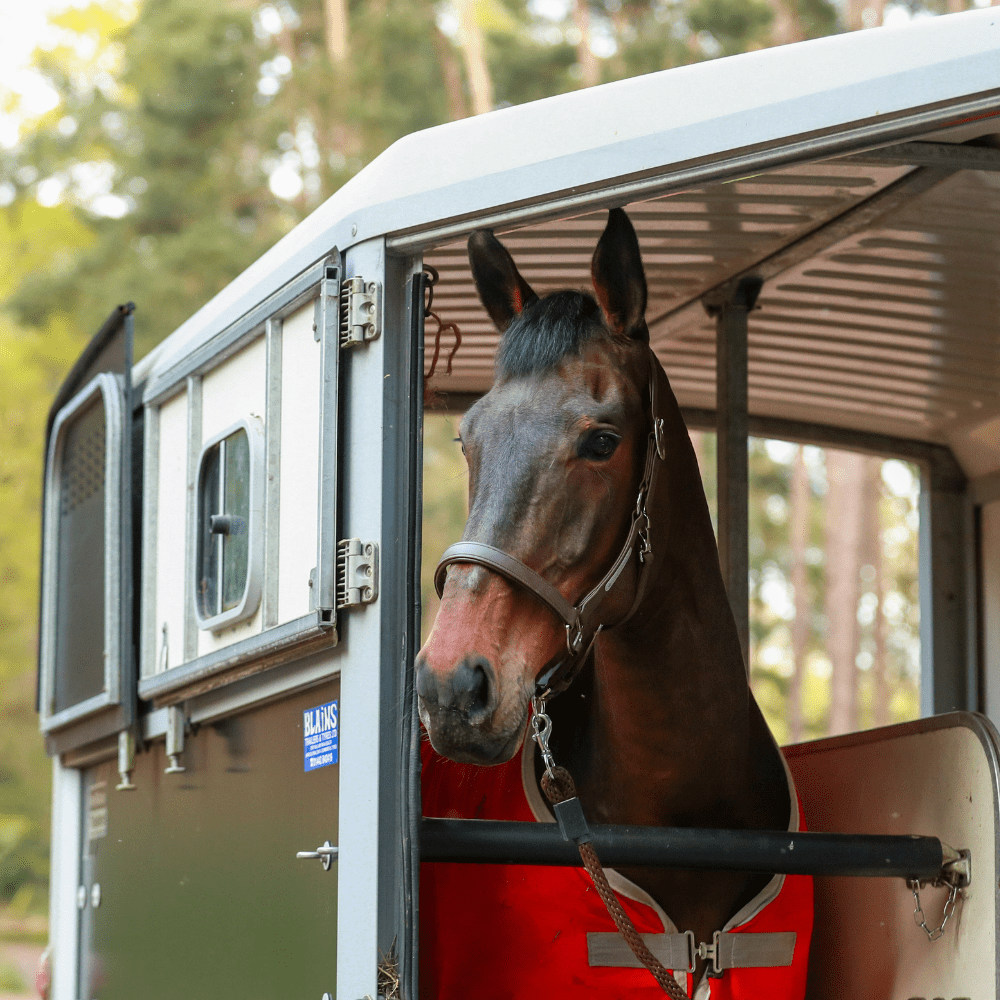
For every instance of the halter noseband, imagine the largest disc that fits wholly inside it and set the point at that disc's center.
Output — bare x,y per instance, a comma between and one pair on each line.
582,620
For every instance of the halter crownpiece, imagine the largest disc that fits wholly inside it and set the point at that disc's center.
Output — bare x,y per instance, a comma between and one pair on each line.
582,620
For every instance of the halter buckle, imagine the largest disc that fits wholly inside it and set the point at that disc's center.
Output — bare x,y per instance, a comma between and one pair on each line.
660,436
574,638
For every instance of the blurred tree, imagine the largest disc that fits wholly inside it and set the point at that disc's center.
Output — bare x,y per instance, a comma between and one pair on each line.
735,25
844,510
798,524
174,140
31,367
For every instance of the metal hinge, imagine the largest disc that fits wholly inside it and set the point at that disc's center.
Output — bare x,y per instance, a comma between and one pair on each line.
360,315
357,573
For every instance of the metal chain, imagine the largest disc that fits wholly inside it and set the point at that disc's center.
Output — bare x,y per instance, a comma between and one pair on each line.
949,908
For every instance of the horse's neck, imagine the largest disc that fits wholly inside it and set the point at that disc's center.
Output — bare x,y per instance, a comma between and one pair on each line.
663,731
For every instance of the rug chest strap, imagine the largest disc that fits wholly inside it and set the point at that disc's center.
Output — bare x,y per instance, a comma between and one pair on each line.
678,951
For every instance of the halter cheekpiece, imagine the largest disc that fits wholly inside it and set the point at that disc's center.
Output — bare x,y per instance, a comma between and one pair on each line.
582,620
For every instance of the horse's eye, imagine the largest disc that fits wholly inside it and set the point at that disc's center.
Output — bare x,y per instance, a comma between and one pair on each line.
599,445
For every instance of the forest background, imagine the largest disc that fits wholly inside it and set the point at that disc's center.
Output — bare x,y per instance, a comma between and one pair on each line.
180,139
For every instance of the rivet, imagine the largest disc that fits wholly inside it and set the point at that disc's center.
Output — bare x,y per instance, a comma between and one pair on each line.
354,230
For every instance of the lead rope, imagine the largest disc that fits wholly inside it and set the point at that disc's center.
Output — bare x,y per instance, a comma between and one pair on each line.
560,790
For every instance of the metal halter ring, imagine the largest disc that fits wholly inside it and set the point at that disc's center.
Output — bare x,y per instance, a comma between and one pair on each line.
574,640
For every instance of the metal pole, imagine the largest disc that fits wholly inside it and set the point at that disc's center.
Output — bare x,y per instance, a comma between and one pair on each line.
760,851
949,675
730,310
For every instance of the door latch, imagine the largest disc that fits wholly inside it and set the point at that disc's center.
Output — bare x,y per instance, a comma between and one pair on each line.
327,853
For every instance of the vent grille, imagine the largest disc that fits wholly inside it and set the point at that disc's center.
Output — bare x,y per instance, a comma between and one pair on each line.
82,473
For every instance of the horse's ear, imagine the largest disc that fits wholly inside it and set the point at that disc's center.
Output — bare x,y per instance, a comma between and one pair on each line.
501,288
619,279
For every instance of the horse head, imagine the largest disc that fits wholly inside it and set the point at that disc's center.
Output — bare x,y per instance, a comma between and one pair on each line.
555,452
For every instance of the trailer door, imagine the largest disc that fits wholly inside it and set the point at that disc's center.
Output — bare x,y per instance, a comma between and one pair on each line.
190,885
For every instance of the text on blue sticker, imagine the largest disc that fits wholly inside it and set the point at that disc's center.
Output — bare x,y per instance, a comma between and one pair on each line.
319,735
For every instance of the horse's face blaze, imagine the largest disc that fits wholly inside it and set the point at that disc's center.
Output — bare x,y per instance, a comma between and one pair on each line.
553,470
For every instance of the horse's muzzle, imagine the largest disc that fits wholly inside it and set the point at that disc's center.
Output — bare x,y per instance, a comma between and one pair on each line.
458,709
467,690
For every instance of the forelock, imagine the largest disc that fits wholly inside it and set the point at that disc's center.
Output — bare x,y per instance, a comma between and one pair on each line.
546,331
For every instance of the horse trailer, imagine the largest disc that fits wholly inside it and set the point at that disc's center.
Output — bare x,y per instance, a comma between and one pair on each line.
230,605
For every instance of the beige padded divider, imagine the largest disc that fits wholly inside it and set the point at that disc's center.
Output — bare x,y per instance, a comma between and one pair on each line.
936,777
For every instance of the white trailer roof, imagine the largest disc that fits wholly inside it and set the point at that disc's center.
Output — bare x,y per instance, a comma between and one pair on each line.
881,271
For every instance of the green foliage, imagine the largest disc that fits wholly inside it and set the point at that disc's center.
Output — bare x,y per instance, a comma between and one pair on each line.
169,127
11,980
446,485
393,96
816,17
527,70
736,25
30,368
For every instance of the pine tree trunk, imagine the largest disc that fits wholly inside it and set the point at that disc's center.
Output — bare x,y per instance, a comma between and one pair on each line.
337,30
786,27
864,14
798,543
873,550
845,475
591,73
451,74
474,55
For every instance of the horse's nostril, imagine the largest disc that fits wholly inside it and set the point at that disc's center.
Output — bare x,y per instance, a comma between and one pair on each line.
470,685
427,688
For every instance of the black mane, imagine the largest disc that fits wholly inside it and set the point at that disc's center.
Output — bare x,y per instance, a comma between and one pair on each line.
546,331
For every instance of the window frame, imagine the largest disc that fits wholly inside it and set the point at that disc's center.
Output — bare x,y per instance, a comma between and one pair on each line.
249,603
110,389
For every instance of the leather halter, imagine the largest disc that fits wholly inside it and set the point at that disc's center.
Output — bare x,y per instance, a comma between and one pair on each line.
582,620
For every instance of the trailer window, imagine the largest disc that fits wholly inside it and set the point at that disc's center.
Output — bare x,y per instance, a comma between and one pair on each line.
834,595
80,636
228,566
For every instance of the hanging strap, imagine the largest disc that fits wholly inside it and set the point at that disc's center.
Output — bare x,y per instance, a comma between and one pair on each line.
559,788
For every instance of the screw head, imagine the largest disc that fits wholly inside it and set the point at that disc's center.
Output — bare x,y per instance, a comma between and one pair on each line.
354,230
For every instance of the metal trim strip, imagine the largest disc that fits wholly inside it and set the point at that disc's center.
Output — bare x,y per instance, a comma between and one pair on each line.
328,328
231,338
842,142
189,641
932,154
272,471
276,640
150,488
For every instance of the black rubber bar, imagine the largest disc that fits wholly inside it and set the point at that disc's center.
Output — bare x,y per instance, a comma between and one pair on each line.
473,841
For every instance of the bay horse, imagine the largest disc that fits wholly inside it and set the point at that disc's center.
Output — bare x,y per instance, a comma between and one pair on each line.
659,727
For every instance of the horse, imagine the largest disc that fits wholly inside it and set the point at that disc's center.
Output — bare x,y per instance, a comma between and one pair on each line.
658,726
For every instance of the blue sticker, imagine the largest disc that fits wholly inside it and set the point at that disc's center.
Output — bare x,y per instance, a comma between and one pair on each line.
319,735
